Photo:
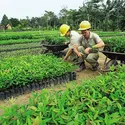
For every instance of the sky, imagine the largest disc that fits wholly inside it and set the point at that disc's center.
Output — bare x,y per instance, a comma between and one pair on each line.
34,8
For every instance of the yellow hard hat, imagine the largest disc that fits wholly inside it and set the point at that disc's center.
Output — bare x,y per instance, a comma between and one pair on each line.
84,25
64,29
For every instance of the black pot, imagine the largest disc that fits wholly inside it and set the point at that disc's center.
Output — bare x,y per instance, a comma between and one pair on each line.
55,81
64,78
12,92
25,88
45,82
51,82
40,84
58,80
33,86
74,75
21,90
67,77
16,91
2,96
37,86
7,94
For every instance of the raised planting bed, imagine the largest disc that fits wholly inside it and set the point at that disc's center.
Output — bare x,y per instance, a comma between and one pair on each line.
17,74
25,36
115,44
113,57
54,40
36,85
54,45
114,50
99,101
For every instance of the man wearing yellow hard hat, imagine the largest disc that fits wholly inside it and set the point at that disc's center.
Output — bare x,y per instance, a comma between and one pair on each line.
88,50
74,38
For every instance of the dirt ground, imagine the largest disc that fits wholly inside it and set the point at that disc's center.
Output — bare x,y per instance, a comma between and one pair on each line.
86,74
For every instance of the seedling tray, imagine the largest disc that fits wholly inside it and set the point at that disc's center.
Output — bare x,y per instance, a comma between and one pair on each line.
55,48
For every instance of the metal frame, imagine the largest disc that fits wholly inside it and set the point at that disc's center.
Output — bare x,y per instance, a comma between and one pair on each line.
113,56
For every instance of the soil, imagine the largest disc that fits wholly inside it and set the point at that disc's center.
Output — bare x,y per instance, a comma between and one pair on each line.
84,75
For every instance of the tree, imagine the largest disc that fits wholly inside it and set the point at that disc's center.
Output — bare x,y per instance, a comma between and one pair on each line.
63,15
113,13
33,22
14,21
5,21
102,14
24,22
73,18
49,19
90,10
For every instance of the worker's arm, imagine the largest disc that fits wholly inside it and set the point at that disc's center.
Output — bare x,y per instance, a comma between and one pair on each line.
99,45
67,42
68,54
76,51
96,46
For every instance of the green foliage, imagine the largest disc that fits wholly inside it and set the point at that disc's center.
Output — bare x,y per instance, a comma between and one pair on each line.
93,102
5,21
110,15
30,52
7,47
115,44
55,40
52,37
110,33
18,41
15,22
16,36
26,69
25,37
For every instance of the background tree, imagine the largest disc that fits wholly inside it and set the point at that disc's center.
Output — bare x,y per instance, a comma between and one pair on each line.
4,21
63,15
14,21
24,23
103,15
49,20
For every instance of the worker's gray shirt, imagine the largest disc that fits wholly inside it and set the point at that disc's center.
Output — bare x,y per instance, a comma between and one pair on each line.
94,39
74,39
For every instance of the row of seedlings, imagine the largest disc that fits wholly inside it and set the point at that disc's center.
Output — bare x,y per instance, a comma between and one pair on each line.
115,44
19,75
99,101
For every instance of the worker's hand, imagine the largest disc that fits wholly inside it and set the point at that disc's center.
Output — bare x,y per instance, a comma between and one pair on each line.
87,50
67,43
79,54
65,58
